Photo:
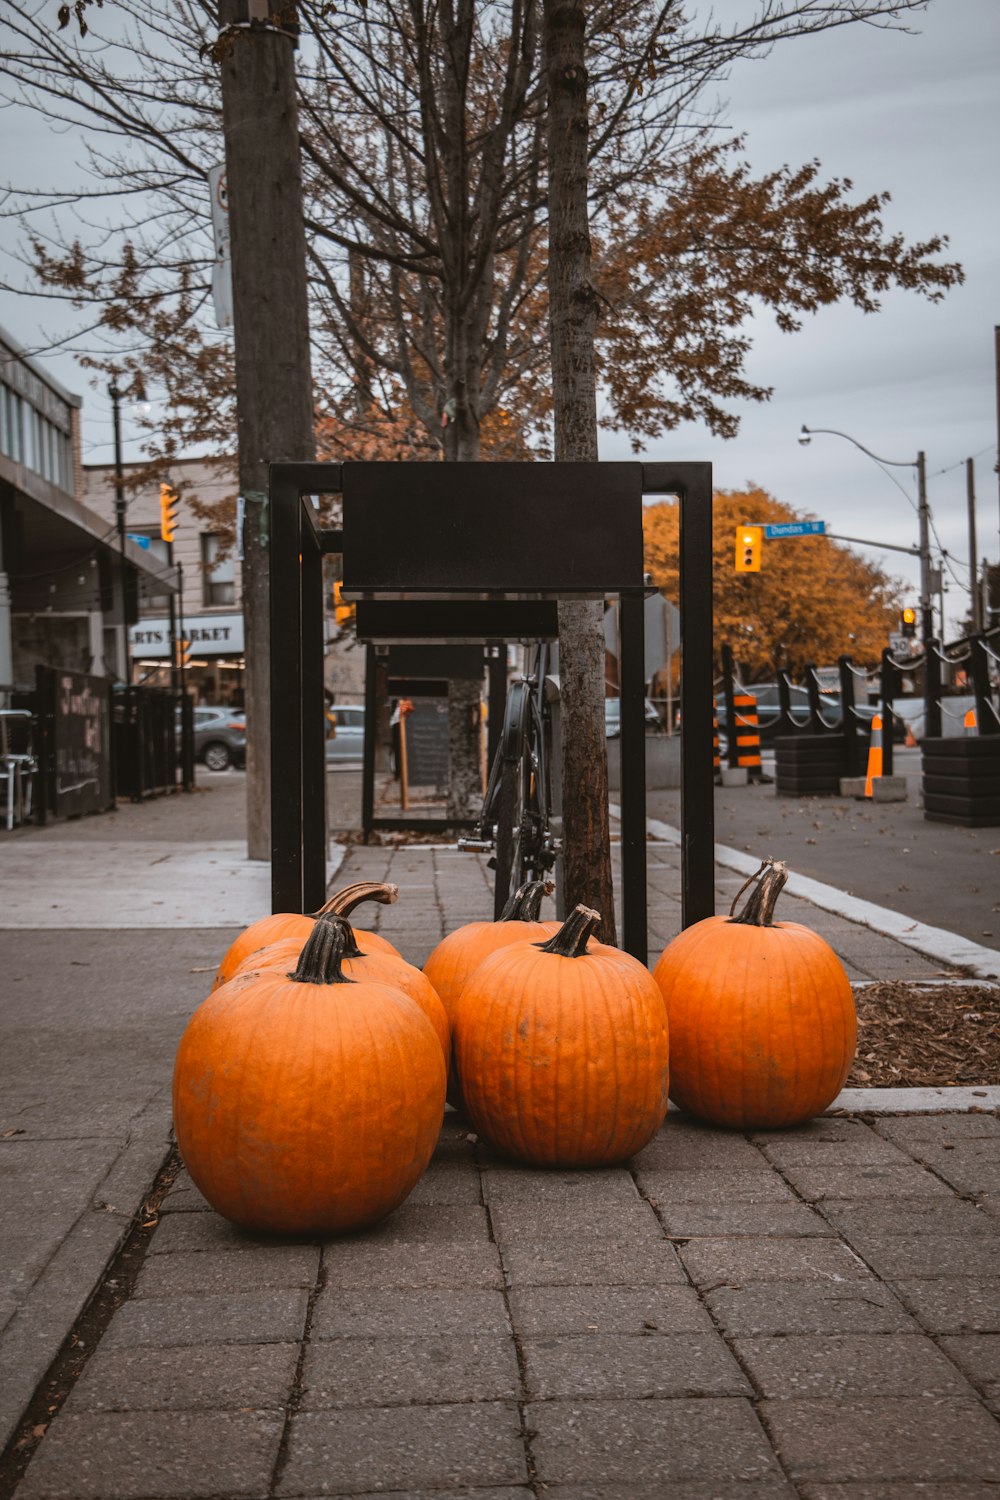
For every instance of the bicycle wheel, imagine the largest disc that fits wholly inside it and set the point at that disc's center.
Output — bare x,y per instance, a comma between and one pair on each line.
512,797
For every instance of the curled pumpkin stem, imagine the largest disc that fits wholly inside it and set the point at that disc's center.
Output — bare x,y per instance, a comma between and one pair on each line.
351,949
759,910
325,950
526,902
571,939
343,902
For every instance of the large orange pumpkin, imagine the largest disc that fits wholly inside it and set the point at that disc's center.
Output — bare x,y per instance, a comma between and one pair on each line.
310,1103
762,1020
298,925
562,1051
385,968
458,955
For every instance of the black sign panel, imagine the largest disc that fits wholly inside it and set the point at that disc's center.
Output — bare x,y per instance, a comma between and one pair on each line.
81,735
427,743
449,663
457,620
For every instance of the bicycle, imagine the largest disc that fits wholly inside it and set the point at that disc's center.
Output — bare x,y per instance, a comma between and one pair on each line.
514,819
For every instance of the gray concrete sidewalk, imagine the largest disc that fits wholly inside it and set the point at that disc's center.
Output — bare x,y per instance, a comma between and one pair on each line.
501,1338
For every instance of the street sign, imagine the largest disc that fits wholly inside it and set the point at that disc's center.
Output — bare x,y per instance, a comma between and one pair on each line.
795,528
899,645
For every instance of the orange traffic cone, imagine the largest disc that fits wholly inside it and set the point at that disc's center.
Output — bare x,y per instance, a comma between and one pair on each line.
874,755
969,722
911,738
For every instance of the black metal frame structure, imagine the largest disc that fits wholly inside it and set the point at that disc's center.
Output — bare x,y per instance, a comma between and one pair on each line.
488,532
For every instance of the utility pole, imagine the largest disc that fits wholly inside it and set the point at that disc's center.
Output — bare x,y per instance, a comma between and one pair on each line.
923,516
116,418
977,603
274,406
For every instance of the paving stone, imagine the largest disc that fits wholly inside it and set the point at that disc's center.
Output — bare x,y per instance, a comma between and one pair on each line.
970,1166
714,1187
619,1365
531,1223
247,1318
695,1221
870,1180
426,1371
906,1128
391,1312
561,1189
709,1262
463,1223
348,1263
349,1451
183,1197
658,1441
978,1355
450,1183
902,1256
694,1489
492,1492
601,1262
909,1489
679,1148
894,1364
884,1438
953,1304
543,1311
213,1377
191,1232
133,1455
813,1151
807,1307
823,1128
940,1218
239,1270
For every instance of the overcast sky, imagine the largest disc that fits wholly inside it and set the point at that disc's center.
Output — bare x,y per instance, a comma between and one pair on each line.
918,115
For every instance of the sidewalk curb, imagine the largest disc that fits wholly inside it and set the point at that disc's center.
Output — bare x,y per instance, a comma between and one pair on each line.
933,942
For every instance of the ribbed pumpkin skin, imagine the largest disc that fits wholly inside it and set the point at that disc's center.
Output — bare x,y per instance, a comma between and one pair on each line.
563,1061
277,928
457,957
307,1108
763,1026
378,966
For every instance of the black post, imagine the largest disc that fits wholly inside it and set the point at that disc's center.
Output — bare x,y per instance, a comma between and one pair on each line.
849,725
285,584
314,830
633,773
987,721
368,763
729,697
497,697
115,395
887,692
172,607
932,690
816,725
697,698
786,723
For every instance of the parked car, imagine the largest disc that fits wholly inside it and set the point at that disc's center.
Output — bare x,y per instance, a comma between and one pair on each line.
831,709
220,736
613,717
345,732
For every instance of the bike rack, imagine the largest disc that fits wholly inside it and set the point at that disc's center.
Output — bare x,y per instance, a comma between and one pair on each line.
431,533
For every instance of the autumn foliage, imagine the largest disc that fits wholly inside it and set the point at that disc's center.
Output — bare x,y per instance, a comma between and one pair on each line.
812,600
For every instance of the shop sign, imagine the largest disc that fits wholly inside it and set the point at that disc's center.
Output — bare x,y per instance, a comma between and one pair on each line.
209,635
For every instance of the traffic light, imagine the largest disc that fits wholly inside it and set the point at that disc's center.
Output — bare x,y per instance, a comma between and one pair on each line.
749,542
169,505
183,653
342,611
908,622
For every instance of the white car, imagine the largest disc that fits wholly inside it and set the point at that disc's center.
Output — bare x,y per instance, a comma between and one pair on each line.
345,732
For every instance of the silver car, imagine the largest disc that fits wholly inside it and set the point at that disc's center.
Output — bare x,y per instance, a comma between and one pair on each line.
345,732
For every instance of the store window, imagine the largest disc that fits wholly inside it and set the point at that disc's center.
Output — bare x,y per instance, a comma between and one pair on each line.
219,572
153,602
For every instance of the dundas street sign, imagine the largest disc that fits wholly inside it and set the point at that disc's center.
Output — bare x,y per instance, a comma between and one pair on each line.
795,528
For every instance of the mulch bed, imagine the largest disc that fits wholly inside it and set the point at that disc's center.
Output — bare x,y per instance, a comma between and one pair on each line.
913,1036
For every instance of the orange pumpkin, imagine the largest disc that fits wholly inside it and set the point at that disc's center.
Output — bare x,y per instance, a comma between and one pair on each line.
762,1020
562,1051
386,968
458,955
308,1103
298,925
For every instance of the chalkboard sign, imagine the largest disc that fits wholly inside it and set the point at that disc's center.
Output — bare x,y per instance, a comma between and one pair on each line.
427,743
81,735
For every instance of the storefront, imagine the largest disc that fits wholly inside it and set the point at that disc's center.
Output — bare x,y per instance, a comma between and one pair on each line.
211,649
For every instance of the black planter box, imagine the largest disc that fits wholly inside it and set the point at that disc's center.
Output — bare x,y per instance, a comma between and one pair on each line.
809,765
961,780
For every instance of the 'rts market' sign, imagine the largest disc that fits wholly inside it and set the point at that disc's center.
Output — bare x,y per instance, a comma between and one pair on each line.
209,635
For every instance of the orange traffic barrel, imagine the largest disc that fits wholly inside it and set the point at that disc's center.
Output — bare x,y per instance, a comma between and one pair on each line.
747,731
716,763
969,722
874,755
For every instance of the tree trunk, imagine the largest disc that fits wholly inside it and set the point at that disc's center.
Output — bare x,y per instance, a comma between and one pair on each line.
271,327
572,329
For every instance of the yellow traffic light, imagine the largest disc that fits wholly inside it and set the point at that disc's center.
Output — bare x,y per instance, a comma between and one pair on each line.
169,505
749,544
183,653
342,612
909,622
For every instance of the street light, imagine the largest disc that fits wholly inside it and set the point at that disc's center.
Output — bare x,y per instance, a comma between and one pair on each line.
923,513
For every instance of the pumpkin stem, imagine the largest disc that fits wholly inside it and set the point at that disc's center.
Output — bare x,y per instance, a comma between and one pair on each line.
324,952
759,910
571,939
351,949
343,902
526,902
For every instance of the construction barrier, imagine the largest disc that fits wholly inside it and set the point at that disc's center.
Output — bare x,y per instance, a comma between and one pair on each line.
716,763
874,755
747,732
